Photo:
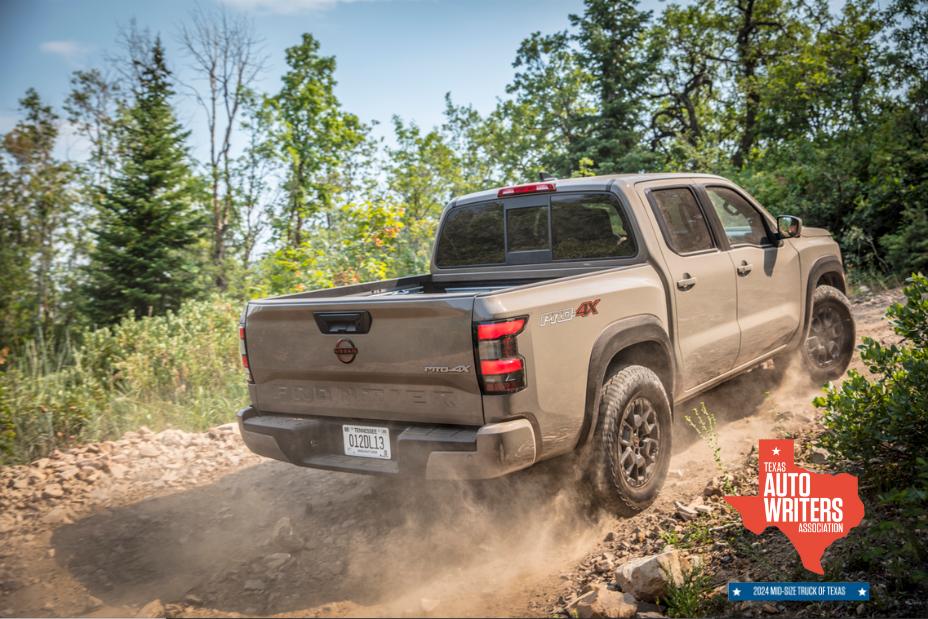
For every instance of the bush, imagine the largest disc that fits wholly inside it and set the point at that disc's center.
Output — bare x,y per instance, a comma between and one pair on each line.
880,426
177,370
882,423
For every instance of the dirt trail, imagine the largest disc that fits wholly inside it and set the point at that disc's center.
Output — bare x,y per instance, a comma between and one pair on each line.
198,523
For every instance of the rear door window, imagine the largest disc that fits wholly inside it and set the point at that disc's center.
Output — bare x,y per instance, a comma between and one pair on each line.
589,226
681,220
472,235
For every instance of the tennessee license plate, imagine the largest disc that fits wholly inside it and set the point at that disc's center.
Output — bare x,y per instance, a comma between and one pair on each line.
367,441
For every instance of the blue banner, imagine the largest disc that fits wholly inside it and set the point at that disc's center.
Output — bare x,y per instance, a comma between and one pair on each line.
798,591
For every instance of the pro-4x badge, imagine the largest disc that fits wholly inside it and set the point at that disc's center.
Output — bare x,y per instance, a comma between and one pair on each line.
587,308
444,369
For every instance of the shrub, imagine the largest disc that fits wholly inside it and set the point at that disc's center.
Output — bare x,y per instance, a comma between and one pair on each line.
177,370
880,426
882,422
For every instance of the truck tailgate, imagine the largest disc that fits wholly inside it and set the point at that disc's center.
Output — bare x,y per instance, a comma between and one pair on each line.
416,362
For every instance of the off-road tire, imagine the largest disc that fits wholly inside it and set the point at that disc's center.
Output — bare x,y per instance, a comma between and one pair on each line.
828,347
612,488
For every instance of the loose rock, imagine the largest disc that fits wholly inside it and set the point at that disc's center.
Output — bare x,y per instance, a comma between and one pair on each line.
647,578
153,609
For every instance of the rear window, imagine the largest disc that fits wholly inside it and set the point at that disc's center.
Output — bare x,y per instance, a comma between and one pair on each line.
528,228
570,226
472,235
585,227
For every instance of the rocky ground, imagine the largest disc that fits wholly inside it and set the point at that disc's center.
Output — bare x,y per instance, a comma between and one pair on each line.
193,524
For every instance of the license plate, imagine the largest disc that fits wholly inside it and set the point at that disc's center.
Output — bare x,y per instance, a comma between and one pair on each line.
367,441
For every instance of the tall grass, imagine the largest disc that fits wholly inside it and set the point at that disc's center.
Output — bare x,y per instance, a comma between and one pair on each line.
178,370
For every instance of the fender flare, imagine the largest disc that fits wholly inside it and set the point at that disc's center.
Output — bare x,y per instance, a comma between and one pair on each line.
825,264
615,338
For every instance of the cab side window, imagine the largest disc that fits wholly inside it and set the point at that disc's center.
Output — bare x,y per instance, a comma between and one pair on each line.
743,224
681,220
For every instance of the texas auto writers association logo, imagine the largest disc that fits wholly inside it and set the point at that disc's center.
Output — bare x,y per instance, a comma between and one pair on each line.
812,509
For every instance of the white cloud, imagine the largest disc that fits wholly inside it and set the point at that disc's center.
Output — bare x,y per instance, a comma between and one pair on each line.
69,50
284,6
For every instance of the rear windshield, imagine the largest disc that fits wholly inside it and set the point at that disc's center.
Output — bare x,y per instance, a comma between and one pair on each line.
568,226
472,235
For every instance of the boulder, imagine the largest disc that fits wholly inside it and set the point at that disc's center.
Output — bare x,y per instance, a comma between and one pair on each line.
604,602
647,578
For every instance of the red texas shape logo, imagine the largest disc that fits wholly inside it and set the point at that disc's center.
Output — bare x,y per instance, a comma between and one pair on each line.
812,509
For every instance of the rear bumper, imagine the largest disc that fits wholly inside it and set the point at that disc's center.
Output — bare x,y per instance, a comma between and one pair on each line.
433,452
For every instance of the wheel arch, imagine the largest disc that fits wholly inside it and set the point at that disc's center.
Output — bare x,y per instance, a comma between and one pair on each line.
638,340
827,271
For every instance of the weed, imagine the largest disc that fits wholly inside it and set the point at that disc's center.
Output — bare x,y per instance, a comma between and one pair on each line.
703,422
690,597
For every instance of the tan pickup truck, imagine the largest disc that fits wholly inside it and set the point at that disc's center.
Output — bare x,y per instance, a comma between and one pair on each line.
559,316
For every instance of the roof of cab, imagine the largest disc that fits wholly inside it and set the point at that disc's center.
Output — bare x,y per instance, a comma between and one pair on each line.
589,183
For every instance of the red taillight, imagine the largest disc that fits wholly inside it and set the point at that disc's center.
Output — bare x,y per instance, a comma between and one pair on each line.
529,188
243,350
502,368
496,330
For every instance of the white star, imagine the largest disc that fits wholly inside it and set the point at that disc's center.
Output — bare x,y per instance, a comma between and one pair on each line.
862,591
776,451
736,592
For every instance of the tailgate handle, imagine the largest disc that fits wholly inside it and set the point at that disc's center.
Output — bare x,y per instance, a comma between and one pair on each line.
343,322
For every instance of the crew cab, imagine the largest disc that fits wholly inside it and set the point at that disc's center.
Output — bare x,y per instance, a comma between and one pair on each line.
559,316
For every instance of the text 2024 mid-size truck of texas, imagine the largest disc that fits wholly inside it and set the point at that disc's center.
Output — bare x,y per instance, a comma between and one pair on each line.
559,316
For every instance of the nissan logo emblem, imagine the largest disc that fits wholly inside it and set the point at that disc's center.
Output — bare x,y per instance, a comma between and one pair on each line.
345,350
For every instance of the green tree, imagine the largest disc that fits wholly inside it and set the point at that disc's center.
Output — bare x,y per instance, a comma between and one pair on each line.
313,137
613,45
422,175
144,259
36,207
684,125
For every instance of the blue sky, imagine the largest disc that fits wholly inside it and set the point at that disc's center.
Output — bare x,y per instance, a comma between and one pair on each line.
394,56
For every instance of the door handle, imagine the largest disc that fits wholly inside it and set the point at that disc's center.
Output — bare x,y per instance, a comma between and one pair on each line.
687,282
745,268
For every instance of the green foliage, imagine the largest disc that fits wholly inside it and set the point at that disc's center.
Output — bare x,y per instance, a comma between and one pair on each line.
695,534
144,259
179,370
882,422
689,597
36,226
359,244
312,137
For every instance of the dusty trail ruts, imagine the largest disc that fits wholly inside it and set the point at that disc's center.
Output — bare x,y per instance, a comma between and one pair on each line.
209,530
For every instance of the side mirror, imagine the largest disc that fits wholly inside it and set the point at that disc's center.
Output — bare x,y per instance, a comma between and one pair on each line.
789,227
